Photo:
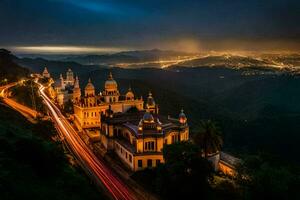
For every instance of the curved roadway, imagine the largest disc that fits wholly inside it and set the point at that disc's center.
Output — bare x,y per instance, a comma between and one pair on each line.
102,174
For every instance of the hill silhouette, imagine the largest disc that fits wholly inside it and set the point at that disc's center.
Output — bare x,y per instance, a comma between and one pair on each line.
9,69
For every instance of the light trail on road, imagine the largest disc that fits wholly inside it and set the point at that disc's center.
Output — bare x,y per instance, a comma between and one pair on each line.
24,110
96,167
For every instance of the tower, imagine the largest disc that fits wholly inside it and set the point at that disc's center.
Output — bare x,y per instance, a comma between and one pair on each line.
76,91
69,77
111,92
46,74
62,82
129,95
89,89
89,93
182,118
150,104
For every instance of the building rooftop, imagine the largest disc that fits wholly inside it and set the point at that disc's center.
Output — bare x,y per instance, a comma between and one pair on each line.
132,120
229,159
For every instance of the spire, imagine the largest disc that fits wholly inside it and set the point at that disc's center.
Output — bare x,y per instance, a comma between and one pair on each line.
46,73
89,80
61,77
45,70
110,77
76,85
150,94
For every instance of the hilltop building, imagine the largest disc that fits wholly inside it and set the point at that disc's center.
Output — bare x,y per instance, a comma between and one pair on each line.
89,107
138,138
135,131
69,81
64,87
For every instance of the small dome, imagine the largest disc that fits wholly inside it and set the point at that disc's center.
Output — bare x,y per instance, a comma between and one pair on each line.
90,85
150,100
182,118
148,117
110,83
129,94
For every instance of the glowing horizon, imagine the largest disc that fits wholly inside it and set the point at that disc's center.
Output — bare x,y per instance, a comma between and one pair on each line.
66,49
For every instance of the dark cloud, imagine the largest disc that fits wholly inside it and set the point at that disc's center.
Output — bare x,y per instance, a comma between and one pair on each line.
144,23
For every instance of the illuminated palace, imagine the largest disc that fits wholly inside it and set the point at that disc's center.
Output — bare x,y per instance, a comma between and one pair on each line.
135,131
64,87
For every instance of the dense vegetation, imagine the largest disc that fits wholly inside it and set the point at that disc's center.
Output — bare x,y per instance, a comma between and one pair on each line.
187,175
32,167
27,94
263,176
184,175
9,70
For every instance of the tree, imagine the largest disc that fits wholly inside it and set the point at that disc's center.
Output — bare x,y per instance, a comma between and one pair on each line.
68,107
186,173
261,178
132,109
208,137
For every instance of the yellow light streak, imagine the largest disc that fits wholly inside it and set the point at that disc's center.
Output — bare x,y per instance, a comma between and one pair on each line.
66,49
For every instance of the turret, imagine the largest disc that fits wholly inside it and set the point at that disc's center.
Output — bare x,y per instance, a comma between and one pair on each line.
89,92
46,74
89,89
129,95
76,91
69,77
182,118
62,82
150,104
111,92
149,123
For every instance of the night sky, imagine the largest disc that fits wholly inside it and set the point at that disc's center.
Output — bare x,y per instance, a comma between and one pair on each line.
143,24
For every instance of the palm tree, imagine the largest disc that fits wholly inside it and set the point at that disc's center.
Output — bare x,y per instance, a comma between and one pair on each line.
208,137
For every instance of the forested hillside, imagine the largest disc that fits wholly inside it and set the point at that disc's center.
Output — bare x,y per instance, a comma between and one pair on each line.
9,70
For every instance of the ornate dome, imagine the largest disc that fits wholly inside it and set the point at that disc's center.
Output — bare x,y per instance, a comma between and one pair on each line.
182,118
129,94
89,86
110,83
150,100
89,89
148,117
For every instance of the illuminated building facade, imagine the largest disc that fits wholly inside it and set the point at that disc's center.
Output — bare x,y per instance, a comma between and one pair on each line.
138,138
64,87
135,131
89,107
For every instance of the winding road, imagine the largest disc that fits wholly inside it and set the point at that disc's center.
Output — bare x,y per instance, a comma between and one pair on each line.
96,168
29,113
